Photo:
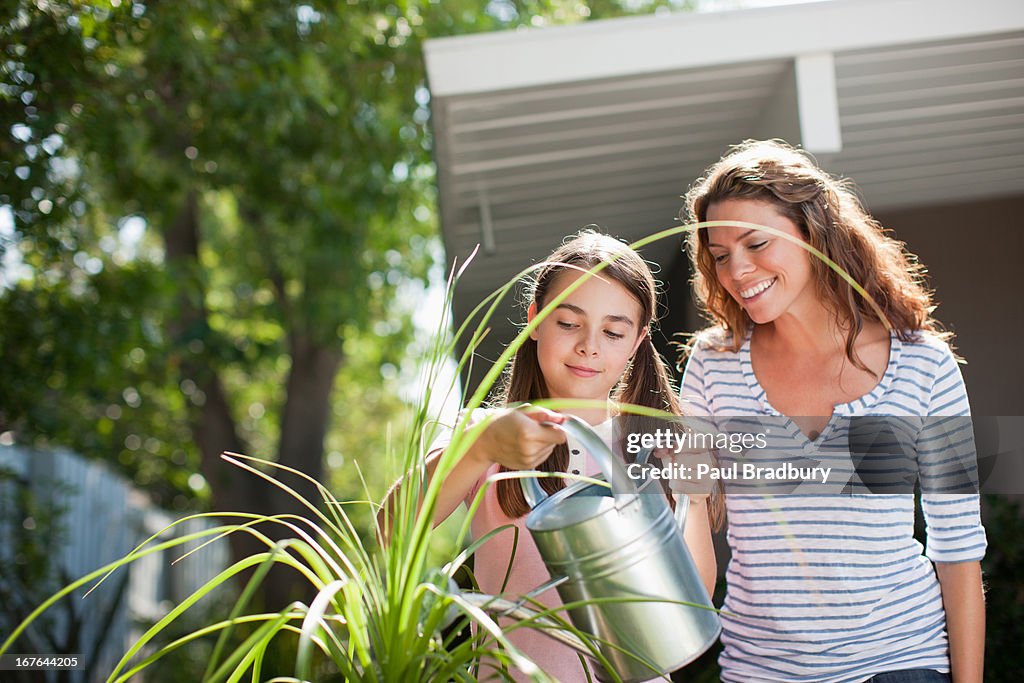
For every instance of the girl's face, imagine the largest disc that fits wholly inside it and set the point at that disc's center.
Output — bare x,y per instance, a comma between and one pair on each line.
583,346
769,276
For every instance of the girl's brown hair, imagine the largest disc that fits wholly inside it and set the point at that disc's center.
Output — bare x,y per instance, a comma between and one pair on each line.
832,220
646,380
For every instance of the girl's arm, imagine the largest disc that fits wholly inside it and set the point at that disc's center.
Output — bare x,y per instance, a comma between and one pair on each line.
457,486
964,601
515,438
459,482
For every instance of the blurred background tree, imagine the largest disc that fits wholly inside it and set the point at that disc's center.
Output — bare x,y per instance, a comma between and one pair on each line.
216,220
214,202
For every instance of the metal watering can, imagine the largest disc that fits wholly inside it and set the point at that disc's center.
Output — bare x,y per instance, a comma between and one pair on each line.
623,544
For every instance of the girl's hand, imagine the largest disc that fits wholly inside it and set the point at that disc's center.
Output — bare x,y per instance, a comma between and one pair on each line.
517,440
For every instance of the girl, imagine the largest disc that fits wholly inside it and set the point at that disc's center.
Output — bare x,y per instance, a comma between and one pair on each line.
596,345
829,588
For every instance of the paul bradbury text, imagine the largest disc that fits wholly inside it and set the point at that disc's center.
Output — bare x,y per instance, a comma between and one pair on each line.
734,472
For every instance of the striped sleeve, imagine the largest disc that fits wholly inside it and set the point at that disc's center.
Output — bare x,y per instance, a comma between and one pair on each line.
693,393
948,468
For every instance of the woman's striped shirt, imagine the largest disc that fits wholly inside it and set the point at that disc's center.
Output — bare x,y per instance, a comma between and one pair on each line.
834,588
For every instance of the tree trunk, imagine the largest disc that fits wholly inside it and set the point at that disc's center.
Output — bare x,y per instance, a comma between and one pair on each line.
213,427
306,414
304,422
304,419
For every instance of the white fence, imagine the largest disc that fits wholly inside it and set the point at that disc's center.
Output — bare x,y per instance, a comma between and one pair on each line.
103,519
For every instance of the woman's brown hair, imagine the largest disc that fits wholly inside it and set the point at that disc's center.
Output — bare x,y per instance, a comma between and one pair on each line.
646,380
833,221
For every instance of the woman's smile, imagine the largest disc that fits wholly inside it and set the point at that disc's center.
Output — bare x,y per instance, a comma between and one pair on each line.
750,293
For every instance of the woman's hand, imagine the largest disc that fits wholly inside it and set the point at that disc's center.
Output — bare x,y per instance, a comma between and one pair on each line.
517,439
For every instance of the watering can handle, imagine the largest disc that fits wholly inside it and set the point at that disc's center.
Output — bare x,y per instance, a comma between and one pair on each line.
611,467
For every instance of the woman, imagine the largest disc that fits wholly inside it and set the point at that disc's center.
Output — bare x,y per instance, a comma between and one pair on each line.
829,587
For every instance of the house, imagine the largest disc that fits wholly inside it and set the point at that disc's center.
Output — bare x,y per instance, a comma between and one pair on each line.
920,102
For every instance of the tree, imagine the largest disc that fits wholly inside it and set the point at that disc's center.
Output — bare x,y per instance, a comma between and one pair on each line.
214,203
262,142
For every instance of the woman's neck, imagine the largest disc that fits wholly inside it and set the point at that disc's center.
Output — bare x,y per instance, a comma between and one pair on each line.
811,331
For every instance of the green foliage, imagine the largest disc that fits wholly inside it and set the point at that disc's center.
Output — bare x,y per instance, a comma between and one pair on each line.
30,528
82,363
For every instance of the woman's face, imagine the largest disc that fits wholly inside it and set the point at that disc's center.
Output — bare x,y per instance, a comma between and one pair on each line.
769,276
583,346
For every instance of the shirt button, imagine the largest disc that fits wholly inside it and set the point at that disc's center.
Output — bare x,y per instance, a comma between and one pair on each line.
575,451
575,471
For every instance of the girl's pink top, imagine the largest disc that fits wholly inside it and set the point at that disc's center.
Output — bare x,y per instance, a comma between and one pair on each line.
527,572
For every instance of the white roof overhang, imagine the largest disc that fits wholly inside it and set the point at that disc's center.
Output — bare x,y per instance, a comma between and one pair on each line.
542,131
